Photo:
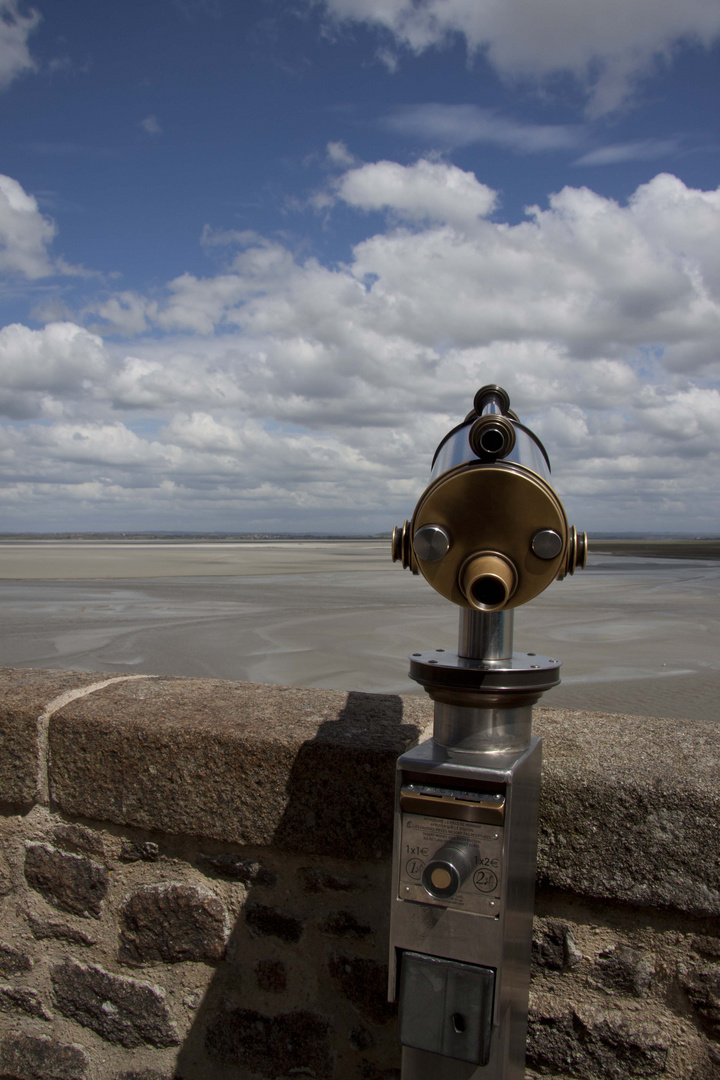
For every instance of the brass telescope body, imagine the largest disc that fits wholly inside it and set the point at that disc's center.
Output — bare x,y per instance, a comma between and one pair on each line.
491,513
489,533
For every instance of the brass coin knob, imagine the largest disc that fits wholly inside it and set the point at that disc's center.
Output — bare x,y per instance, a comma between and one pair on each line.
449,867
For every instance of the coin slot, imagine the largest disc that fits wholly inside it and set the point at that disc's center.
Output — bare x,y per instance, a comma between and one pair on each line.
458,1022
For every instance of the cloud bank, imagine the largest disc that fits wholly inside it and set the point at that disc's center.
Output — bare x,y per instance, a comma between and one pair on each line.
607,46
282,393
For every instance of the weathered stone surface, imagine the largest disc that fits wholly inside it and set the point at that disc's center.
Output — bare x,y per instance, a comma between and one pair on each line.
15,999
25,1057
364,983
709,1070
368,1071
702,987
629,809
626,970
706,945
139,851
6,881
315,880
78,839
271,976
119,1009
70,882
236,762
42,930
143,1074
553,946
24,696
273,1046
233,867
344,924
591,1045
361,1038
172,923
266,921
13,961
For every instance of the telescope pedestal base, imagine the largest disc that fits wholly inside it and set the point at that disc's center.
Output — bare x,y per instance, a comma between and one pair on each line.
489,803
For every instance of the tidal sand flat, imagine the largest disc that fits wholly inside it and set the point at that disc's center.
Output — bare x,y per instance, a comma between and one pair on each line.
636,635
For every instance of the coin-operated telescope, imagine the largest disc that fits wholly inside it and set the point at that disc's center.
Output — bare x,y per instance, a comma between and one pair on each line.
488,533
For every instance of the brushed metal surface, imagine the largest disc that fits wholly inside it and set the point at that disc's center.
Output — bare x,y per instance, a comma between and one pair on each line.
501,943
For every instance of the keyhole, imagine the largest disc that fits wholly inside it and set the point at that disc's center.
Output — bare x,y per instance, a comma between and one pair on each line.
458,1022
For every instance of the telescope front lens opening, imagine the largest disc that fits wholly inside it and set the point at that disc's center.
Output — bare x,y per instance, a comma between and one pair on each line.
488,592
492,440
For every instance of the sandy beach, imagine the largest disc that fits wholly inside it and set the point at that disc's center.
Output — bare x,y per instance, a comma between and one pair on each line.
636,635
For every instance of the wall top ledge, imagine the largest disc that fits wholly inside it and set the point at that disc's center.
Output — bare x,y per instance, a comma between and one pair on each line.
629,806
24,697
306,770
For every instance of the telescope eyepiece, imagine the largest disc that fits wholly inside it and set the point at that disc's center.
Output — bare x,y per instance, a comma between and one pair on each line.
492,437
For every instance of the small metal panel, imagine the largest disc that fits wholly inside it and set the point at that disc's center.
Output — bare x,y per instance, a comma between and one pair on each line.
446,1007
421,838
482,806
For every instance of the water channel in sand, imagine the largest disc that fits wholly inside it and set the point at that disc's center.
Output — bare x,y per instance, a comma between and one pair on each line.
636,635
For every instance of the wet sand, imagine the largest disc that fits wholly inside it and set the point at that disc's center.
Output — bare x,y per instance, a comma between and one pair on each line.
636,635
82,560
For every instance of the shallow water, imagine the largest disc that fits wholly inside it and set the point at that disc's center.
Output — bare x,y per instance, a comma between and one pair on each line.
635,635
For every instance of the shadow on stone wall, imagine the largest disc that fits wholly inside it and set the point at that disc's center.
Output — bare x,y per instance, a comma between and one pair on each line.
313,927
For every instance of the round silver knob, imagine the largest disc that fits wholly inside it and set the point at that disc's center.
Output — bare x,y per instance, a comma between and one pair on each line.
431,543
547,544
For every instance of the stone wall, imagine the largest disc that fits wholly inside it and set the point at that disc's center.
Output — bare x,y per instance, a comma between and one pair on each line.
194,883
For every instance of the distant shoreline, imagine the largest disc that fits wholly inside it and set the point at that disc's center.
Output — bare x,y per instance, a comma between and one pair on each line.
637,546
184,538
657,549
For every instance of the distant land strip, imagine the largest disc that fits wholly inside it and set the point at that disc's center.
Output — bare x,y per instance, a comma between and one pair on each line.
186,537
657,549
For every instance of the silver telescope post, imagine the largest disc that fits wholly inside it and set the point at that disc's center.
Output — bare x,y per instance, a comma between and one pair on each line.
488,533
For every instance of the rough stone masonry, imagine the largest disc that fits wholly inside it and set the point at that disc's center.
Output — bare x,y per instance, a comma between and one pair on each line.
194,884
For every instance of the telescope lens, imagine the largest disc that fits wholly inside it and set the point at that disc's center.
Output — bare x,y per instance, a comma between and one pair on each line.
492,437
488,592
492,440
488,580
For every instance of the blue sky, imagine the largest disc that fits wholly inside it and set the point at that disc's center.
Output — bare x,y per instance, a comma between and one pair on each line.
256,258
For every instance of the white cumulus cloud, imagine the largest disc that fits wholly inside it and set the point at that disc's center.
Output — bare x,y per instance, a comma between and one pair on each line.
25,233
42,369
425,191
